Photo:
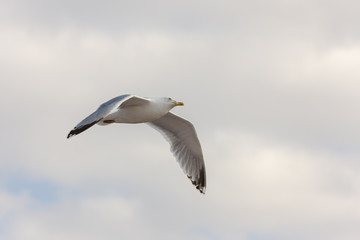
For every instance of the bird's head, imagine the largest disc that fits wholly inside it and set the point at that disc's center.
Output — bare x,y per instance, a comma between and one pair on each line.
165,104
172,102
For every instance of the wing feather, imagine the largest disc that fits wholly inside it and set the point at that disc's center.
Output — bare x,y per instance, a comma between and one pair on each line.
106,109
185,146
133,101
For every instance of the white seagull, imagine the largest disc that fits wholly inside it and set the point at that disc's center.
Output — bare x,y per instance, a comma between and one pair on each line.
179,132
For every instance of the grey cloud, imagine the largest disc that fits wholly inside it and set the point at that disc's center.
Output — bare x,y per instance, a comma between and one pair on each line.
272,89
308,20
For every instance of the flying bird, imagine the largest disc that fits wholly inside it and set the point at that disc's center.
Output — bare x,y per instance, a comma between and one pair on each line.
179,132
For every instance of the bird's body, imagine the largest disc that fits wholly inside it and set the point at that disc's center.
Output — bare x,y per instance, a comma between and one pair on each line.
179,132
134,110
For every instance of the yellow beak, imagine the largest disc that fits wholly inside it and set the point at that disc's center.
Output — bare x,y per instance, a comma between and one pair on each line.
179,103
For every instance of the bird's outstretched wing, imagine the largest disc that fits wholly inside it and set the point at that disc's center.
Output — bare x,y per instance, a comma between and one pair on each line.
105,109
185,146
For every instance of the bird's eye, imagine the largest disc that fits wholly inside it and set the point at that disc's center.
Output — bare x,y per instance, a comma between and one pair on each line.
169,99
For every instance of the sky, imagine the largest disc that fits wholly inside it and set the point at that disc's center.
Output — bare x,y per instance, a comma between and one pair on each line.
272,88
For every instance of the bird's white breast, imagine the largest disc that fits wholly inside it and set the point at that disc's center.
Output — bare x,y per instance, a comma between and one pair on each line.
140,113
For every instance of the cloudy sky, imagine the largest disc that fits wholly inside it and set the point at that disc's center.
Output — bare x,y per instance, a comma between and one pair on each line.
272,88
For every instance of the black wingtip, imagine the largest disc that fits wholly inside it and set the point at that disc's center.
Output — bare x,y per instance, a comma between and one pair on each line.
70,134
200,183
80,129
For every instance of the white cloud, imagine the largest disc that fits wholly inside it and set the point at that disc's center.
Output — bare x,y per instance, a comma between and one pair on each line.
256,187
271,88
76,218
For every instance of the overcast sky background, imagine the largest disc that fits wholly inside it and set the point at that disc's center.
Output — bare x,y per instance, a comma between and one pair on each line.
272,88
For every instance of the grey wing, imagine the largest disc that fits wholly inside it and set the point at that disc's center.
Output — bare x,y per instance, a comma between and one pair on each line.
185,146
106,109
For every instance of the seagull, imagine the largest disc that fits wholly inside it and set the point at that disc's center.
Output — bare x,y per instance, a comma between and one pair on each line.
180,133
